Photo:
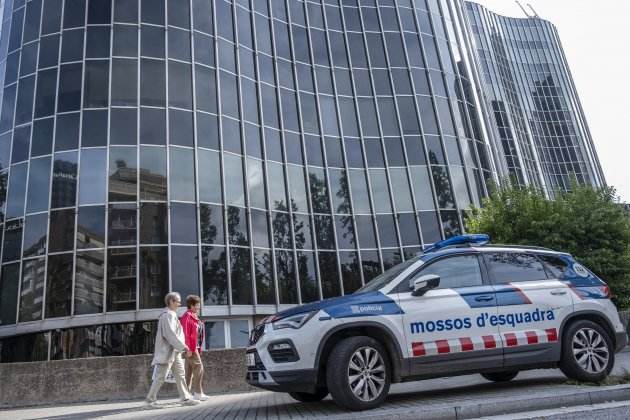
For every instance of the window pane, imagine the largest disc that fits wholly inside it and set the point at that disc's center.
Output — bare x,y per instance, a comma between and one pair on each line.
59,285
319,190
121,279
123,171
125,41
329,274
210,170
443,188
285,269
152,82
38,185
152,126
96,90
69,96
62,230
9,293
282,230
97,42
180,85
211,220
307,271
205,88
180,127
183,223
422,187
35,229
408,229
153,223
430,227
91,227
46,91
153,276
92,176
67,132
400,185
94,130
350,271
387,230
235,191
208,131
324,230
303,231
239,333
241,276
366,232
456,272
12,248
215,334
263,270
260,228
152,173
370,264
182,174
124,82
122,224
32,290
88,282
152,41
277,190
507,267
41,144
215,284
380,189
17,190
237,226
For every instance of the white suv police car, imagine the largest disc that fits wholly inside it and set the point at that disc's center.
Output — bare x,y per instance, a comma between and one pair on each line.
461,307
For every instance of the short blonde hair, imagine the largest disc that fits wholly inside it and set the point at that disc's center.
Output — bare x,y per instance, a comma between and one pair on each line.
170,296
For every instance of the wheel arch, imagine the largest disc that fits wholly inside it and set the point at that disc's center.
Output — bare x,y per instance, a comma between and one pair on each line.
594,316
375,330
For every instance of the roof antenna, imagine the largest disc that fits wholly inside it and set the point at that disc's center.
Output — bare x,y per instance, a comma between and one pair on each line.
522,8
532,9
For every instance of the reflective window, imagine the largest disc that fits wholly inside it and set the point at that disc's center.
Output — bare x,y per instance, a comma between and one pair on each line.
91,227
215,283
180,85
125,41
99,12
303,231
21,143
122,224
345,232
307,272
324,232
59,285
210,174
153,223
178,44
46,91
380,189
370,264
277,190
408,229
387,230
401,192
241,276
96,87
51,16
430,227
214,334
152,126
180,127
329,274
211,221
183,223
208,131
88,282
182,174
366,232
152,173
97,41
205,88
237,226
67,132
239,333
72,46
263,271
391,257
9,282
281,230
152,12
41,143
260,228
185,270
121,279
235,190
61,230
124,82
92,176
255,182
454,272
450,223
443,188
32,290
94,130
299,198
153,275
340,191
152,42
350,271
35,229
123,172
319,190
17,190
38,185
285,270
152,82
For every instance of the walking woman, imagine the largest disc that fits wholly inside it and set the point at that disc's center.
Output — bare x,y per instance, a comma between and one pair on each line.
194,334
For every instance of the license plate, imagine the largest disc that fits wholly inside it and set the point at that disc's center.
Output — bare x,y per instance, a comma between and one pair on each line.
250,360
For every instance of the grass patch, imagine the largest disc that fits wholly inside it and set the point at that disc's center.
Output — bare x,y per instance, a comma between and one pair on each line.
610,380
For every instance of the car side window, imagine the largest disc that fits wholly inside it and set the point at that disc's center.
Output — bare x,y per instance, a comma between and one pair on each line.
555,266
506,267
454,272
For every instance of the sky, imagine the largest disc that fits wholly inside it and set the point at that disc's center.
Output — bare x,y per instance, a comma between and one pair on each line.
595,36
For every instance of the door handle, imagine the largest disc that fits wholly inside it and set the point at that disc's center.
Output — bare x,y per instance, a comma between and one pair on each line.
484,298
558,292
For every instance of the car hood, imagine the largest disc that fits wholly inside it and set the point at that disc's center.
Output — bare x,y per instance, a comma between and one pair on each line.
356,304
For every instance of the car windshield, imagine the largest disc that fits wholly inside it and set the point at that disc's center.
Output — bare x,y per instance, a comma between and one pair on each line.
381,280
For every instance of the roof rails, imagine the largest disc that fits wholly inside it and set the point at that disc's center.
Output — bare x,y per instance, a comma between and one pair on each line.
468,240
539,248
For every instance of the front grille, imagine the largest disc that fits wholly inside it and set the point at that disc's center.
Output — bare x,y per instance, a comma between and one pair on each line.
256,333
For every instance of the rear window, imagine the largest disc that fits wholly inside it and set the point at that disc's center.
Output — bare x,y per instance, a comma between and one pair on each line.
507,267
555,265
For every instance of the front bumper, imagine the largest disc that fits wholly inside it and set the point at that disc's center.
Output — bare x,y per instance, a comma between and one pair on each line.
621,339
303,380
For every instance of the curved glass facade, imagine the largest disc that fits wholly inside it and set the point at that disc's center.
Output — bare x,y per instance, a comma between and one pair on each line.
257,153
531,100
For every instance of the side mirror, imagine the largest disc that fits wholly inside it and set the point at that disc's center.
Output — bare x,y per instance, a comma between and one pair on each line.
423,284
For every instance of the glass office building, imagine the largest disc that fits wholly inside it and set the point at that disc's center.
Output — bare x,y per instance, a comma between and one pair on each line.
539,126
258,153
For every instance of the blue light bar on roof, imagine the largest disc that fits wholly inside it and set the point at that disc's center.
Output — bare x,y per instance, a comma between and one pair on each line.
473,239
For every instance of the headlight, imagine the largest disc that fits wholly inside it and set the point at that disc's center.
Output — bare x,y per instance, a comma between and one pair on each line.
292,321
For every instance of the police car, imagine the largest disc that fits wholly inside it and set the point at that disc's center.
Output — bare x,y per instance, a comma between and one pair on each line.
463,306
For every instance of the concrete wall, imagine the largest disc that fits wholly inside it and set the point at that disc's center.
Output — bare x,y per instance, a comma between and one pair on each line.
108,378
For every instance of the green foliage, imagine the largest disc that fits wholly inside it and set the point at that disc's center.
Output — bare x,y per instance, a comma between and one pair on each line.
589,223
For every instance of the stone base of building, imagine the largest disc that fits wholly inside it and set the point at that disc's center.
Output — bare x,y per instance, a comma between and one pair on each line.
108,378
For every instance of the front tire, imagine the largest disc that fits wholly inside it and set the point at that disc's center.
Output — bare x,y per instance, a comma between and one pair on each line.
500,376
307,397
358,373
587,352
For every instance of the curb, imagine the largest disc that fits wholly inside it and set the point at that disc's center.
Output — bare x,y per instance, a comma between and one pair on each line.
492,408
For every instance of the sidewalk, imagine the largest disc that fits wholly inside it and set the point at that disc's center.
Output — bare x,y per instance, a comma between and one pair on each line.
460,397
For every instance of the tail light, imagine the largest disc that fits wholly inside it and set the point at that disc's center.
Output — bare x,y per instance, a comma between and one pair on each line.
605,289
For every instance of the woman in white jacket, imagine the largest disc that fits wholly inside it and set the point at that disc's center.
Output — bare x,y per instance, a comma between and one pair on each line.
169,344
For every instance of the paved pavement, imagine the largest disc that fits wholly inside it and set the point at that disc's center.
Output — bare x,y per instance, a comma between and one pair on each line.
604,411
465,396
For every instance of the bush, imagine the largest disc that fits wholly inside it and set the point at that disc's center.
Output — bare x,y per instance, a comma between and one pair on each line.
586,222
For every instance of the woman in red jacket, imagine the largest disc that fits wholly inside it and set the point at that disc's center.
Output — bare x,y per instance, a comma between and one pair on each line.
194,335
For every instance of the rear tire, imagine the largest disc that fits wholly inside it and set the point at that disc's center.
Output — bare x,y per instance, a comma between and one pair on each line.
500,376
307,397
588,353
358,373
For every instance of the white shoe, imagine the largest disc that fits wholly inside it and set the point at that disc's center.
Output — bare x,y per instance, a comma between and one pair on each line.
200,397
189,401
151,404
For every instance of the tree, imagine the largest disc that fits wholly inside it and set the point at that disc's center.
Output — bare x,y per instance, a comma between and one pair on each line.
587,222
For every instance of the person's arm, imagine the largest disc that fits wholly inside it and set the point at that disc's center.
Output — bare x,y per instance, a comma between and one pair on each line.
187,326
169,333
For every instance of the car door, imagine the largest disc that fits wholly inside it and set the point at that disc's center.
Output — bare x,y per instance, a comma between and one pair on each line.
442,329
531,306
